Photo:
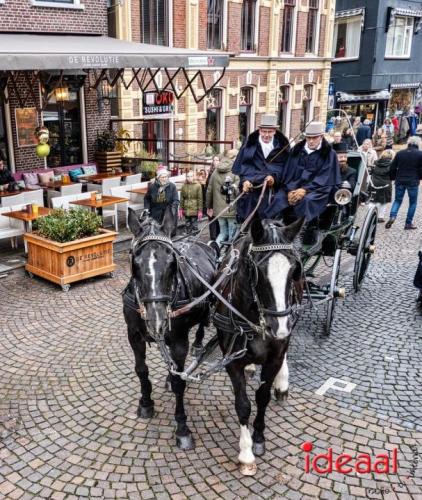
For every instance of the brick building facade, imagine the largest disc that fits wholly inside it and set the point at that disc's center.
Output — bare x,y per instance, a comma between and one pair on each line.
280,63
74,124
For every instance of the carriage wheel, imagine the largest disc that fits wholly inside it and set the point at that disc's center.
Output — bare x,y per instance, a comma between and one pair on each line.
366,247
331,304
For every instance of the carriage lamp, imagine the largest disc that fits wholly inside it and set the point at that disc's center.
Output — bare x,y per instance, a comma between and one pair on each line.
343,196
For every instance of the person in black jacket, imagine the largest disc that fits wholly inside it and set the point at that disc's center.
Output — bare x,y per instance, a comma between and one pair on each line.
363,132
6,177
161,194
406,170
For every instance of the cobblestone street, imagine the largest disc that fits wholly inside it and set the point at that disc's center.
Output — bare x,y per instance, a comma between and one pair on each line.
69,393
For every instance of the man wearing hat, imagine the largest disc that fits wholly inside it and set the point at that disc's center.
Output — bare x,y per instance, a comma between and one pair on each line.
262,157
311,176
348,174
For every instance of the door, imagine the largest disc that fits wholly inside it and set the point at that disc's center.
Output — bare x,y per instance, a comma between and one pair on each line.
3,137
63,120
155,134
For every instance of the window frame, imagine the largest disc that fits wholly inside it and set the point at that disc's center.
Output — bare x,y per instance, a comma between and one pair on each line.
411,28
291,5
248,92
255,5
347,21
219,114
221,25
167,22
315,40
58,4
288,109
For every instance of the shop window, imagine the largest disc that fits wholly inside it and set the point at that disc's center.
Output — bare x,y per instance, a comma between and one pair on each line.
215,23
399,37
213,119
311,27
307,106
154,22
283,108
245,112
288,26
3,137
247,41
347,38
63,120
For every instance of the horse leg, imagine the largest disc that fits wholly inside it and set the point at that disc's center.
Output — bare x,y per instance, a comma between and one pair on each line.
243,410
281,381
179,351
262,398
199,337
146,404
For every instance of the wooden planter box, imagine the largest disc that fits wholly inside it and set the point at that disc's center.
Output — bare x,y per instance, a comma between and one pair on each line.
65,263
108,160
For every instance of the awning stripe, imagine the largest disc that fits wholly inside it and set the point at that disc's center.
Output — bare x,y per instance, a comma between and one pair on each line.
405,85
382,95
407,12
350,13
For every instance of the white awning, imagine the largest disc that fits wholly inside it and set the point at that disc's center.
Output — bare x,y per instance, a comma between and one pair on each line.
64,52
405,85
382,95
407,12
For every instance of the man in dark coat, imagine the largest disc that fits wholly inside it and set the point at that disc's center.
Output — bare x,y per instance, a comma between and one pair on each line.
6,177
406,170
363,132
262,157
348,174
311,175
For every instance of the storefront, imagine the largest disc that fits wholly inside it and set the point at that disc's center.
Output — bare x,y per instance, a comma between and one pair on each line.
371,106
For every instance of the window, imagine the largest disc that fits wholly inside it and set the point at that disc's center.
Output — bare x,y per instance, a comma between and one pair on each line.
213,119
399,37
247,41
154,22
311,28
283,104
71,4
287,28
245,106
347,37
306,114
214,24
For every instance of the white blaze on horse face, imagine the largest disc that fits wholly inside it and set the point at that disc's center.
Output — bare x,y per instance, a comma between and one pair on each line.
151,270
281,381
246,455
278,270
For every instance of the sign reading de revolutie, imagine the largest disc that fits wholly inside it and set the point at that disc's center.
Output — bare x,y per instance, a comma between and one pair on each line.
157,103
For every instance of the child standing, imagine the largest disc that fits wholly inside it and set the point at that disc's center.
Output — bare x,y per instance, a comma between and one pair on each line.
191,203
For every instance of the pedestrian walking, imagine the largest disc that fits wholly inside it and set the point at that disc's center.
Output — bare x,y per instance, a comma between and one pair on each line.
388,129
381,196
222,189
368,152
191,203
406,170
363,132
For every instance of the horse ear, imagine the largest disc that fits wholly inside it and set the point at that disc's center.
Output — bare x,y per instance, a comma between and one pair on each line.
290,232
134,223
168,225
257,230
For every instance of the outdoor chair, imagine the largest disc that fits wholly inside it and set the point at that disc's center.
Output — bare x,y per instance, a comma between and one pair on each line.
10,228
17,199
36,197
64,191
64,201
105,186
132,179
121,191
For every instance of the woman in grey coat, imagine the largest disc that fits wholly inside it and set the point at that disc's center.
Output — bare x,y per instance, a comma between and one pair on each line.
222,189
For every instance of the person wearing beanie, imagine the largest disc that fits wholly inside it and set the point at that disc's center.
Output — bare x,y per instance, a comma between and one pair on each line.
191,203
160,194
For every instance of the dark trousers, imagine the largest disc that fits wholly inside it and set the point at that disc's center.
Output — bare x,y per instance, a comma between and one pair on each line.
412,192
214,228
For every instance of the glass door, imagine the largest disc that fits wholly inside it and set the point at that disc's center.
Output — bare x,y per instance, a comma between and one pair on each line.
154,136
63,120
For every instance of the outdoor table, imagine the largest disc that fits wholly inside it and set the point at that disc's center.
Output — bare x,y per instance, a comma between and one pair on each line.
28,217
56,185
98,178
98,205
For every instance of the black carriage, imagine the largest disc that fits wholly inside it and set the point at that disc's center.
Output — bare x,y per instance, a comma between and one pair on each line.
341,234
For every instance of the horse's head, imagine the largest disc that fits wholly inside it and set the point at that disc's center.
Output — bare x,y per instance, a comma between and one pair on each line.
274,266
154,266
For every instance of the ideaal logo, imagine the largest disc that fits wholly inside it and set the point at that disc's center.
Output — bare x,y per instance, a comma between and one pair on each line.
344,463
71,260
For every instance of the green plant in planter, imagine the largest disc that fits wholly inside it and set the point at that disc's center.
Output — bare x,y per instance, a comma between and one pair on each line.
69,225
148,167
106,141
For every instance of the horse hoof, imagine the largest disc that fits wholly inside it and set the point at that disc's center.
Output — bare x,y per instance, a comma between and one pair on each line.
146,411
248,469
185,442
167,385
258,448
281,395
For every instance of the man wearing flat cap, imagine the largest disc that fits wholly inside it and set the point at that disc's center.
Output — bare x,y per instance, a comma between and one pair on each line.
310,177
262,157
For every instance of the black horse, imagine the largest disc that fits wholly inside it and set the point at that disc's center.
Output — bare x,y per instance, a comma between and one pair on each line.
267,283
162,281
